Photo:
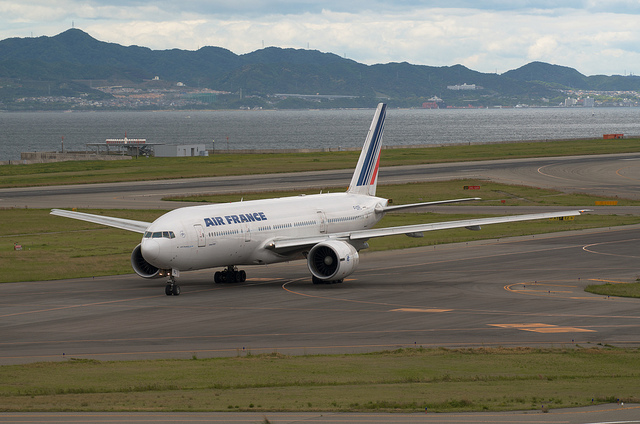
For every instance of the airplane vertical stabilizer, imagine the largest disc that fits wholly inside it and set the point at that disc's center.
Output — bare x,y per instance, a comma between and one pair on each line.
365,177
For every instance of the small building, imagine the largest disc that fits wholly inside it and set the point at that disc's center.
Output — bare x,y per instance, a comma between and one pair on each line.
130,146
464,86
181,150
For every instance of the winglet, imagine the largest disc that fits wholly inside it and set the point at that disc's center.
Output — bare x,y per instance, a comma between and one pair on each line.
365,177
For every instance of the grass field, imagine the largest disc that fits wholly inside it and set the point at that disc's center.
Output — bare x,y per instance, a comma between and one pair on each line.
610,289
407,380
76,249
241,164
64,248
492,194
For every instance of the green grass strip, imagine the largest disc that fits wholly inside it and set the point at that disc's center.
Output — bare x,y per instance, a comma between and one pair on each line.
615,289
85,172
407,380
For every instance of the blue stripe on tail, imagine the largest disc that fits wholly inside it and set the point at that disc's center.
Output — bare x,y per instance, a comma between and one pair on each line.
371,159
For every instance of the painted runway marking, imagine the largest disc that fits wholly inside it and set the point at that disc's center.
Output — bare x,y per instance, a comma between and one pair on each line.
544,328
590,248
421,310
618,173
542,288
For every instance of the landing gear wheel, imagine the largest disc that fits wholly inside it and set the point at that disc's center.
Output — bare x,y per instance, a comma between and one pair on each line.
172,289
230,275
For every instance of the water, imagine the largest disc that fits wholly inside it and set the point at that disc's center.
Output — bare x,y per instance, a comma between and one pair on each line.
43,131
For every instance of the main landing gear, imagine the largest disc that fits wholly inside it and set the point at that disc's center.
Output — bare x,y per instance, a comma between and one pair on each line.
172,289
230,275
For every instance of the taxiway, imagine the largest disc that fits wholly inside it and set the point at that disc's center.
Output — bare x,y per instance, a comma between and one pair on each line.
525,291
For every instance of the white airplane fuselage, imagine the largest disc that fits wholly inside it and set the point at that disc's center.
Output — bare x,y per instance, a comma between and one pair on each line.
239,233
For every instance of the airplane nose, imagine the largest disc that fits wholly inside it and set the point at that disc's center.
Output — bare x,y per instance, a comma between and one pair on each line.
150,250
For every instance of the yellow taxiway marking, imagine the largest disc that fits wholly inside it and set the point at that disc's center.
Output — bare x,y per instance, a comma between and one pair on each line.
420,310
543,328
608,281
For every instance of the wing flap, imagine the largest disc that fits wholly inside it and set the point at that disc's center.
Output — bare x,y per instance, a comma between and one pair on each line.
121,223
293,243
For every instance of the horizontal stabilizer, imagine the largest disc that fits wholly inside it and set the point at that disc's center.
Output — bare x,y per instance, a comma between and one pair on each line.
418,205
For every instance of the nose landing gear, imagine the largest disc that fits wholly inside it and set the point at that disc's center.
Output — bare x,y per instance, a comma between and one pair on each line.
172,289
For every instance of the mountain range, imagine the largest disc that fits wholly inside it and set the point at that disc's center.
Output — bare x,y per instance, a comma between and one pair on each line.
73,62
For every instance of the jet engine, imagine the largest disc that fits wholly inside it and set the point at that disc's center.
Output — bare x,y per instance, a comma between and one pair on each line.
141,266
332,260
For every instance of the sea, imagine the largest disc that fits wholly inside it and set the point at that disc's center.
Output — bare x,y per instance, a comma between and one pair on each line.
306,129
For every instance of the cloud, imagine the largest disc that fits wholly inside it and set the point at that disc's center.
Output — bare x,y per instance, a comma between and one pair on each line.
545,46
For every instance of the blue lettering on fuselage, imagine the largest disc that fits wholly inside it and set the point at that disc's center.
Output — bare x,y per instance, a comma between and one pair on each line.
234,219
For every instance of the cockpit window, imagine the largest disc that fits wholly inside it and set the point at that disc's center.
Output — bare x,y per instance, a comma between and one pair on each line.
160,234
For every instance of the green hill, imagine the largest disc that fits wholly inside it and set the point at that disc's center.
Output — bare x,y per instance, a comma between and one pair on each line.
73,63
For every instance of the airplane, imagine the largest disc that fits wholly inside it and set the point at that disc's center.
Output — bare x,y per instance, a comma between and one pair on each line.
327,229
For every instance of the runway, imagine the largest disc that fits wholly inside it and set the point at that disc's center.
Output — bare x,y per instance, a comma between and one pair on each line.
602,175
525,291
609,414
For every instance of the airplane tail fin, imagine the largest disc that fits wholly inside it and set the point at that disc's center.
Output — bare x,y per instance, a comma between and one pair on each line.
365,177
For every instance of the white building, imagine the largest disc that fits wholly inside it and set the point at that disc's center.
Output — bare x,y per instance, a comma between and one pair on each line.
464,86
172,150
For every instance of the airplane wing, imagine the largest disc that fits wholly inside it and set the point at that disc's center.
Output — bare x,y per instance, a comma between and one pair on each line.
472,224
415,230
123,224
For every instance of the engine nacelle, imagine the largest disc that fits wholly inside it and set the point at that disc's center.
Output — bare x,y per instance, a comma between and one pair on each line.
141,266
332,260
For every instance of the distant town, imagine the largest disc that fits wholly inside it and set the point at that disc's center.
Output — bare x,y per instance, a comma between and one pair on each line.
121,97
183,97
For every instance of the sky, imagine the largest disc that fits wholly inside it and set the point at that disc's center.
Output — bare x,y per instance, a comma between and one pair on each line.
592,36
